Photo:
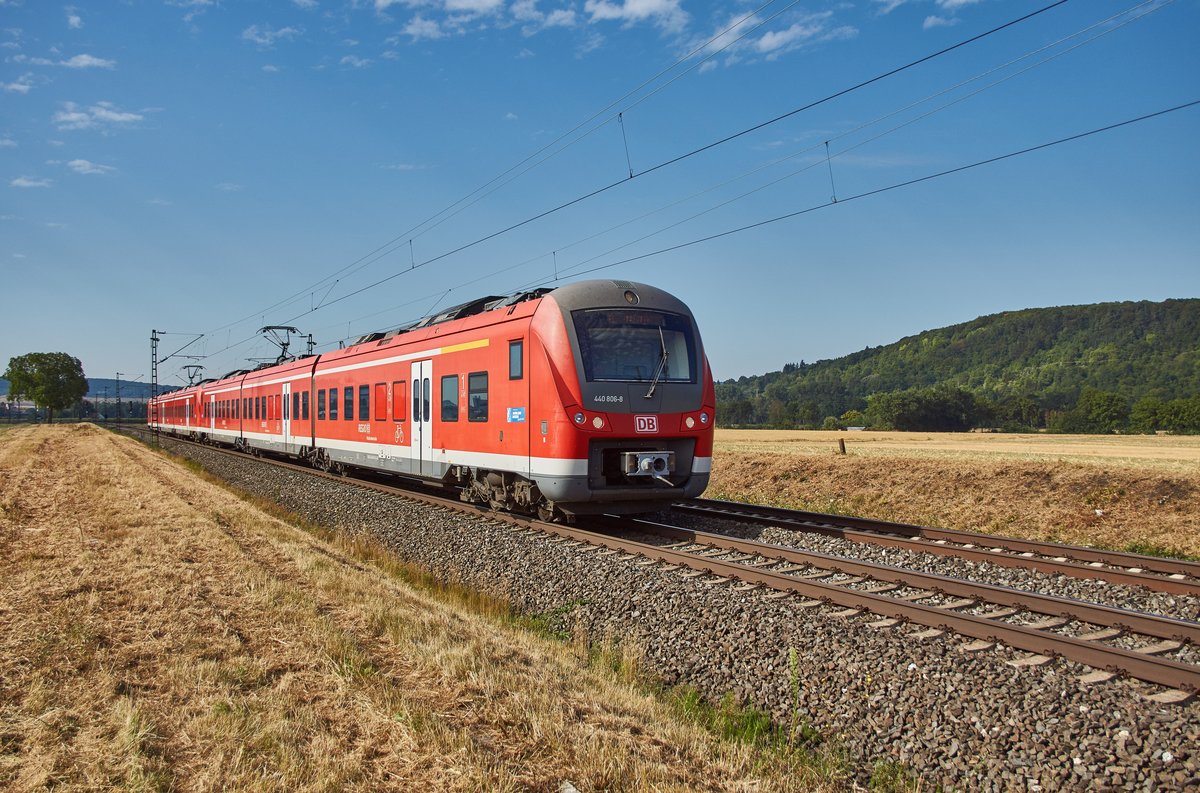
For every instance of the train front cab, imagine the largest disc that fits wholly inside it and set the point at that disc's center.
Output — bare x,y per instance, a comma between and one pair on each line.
633,421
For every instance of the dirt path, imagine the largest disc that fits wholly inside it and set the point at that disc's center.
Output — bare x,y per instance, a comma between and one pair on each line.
156,632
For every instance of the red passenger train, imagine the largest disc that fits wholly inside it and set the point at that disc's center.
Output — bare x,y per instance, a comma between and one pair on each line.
592,397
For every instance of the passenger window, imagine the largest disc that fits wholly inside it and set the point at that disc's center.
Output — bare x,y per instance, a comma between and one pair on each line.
287,414
321,405
348,403
381,401
304,406
333,404
477,396
399,400
516,359
364,403
296,405
450,398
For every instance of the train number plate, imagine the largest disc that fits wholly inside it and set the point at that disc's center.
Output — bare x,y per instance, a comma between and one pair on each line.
645,423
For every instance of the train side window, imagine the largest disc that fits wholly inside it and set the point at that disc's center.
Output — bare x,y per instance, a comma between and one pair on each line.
399,400
321,405
381,401
287,414
348,403
450,397
516,359
304,406
477,396
364,403
333,404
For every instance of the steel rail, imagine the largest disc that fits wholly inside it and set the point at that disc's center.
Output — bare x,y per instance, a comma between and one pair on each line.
1148,624
1142,666
926,540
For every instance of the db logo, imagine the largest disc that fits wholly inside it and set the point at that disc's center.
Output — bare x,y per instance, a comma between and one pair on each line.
645,423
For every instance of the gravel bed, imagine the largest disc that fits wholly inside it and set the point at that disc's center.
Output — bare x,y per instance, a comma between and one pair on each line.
1089,589
964,721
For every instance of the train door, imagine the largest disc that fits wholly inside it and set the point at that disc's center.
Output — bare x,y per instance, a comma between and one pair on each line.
422,418
287,417
212,413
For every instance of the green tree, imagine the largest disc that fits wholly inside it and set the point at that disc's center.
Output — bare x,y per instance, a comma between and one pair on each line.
52,380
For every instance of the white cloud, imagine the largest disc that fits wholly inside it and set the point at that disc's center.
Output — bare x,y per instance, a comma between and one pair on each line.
954,5
265,37
349,42
474,7
888,6
390,55
934,21
7,143
228,187
510,116
667,14
21,85
87,62
25,181
102,115
525,53
398,166
158,202
306,4
421,28
195,7
74,21
356,62
270,69
19,256
526,11
84,166
83,61
53,225
804,30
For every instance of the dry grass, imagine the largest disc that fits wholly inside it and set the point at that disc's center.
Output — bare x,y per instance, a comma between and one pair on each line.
160,633
1133,492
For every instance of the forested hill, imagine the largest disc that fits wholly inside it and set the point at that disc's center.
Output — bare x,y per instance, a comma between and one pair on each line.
1043,357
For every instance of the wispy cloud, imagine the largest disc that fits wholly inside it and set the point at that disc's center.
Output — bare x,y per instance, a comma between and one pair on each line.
888,6
534,20
87,167
74,21
666,14
158,202
510,116
398,166
7,143
228,187
801,31
53,225
421,28
306,4
356,62
954,5
266,37
102,116
22,85
83,61
28,181
270,68
194,7
934,21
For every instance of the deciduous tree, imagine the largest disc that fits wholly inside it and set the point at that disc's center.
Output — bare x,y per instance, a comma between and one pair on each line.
52,380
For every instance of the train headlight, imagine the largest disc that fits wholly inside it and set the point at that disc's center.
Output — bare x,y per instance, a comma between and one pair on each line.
597,422
579,418
704,418
690,422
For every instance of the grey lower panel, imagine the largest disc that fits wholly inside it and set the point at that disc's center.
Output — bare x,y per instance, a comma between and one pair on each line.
395,465
575,493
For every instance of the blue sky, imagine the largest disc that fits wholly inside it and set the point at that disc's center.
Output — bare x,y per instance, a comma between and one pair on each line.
187,165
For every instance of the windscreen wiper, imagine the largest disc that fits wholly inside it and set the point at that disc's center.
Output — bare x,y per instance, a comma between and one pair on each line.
662,364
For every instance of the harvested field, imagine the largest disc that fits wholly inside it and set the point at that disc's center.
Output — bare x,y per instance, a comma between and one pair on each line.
158,632
1131,493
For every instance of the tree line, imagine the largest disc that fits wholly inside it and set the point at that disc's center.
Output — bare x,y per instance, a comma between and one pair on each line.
949,408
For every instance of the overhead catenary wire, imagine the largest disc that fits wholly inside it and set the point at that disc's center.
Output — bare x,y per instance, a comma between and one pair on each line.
1155,3
695,152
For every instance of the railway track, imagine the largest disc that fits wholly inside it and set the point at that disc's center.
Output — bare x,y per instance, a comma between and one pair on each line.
1173,576
1113,641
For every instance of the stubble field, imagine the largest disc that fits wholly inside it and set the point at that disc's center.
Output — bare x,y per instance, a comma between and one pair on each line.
159,633
1126,492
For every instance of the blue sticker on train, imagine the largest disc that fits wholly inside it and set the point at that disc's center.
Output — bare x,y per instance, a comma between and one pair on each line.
516,415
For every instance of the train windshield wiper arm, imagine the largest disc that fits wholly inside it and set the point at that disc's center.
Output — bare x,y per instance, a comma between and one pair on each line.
662,364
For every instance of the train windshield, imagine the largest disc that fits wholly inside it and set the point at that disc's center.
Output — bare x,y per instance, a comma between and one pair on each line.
635,345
